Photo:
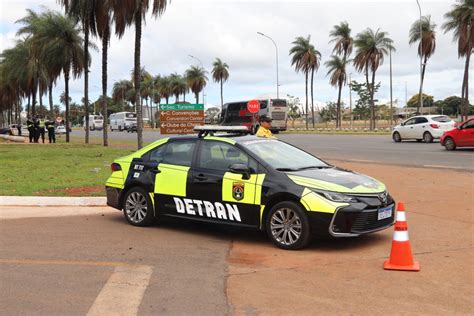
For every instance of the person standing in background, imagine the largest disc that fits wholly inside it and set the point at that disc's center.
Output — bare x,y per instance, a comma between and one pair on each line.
31,129
50,126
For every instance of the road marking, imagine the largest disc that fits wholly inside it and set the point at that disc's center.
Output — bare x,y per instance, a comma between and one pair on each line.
63,262
123,292
442,167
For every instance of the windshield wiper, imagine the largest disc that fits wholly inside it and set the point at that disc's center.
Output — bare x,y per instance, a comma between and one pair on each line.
314,167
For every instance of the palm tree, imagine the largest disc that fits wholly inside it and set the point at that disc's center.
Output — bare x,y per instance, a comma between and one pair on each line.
63,48
305,58
426,47
343,43
314,66
460,20
120,90
371,47
84,11
220,73
164,88
178,86
128,12
196,79
337,70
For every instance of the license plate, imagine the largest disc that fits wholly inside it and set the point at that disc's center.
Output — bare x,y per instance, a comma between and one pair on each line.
384,213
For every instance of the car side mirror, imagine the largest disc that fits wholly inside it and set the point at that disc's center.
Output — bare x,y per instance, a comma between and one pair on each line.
240,169
402,124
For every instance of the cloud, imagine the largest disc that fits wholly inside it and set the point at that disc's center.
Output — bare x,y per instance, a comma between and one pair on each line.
228,29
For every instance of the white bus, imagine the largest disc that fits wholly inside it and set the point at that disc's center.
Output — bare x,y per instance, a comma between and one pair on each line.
235,113
96,122
122,121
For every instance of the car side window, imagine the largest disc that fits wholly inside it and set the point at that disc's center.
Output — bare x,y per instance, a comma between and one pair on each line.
468,125
179,152
410,121
420,120
220,156
156,154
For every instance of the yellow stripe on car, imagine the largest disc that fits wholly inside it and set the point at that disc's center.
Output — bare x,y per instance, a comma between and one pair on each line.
221,139
171,180
115,180
252,188
316,203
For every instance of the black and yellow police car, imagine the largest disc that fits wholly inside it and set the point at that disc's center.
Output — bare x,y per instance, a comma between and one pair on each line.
248,181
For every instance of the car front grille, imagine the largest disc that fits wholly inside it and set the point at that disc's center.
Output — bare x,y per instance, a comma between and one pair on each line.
367,221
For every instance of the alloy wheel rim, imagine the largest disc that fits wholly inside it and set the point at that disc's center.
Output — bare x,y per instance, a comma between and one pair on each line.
286,226
136,207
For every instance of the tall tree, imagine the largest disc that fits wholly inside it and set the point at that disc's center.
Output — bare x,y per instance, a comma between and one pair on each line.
220,73
304,59
84,11
132,12
196,79
427,38
64,48
371,47
164,88
121,90
337,70
343,43
460,20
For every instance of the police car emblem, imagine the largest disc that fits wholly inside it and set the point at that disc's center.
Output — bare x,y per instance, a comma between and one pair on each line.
238,190
383,197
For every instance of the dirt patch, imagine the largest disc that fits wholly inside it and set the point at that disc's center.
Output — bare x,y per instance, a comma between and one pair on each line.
345,276
78,191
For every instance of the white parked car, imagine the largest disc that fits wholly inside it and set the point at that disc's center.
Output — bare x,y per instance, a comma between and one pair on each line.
61,129
422,127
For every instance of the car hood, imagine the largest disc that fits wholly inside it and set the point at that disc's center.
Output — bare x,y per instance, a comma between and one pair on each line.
336,179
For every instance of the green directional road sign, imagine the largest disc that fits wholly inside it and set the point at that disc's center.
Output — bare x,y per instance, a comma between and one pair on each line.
181,107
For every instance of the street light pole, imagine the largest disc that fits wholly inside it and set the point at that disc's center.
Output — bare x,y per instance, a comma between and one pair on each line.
420,97
203,99
391,92
276,54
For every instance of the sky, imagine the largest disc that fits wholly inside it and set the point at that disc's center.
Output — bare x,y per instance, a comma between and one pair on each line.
228,29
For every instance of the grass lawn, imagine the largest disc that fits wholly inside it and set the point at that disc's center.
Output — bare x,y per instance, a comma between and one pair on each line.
56,169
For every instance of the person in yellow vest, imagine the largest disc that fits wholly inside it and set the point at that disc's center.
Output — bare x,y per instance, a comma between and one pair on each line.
264,129
41,126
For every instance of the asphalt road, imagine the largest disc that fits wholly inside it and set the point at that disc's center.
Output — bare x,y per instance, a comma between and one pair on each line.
95,263
363,148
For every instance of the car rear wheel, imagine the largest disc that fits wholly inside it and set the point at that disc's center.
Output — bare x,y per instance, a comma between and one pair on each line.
396,137
449,144
138,208
427,137
288,226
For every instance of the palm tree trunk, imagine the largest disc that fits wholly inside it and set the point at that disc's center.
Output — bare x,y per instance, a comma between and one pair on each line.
138,35
28,105
86,76
196,95
465,99
338,114
33,101
306,91
312,101
105,47
50,92
222,94
372,105
40,96
66,94
421,87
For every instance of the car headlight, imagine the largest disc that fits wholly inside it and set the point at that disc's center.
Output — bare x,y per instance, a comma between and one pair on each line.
335,196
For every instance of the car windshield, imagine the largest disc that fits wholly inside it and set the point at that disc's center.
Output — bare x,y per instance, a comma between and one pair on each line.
283,156
441,119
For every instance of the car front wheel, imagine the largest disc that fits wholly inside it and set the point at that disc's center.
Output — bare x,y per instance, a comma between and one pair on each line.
396,137
138,208
427,137
449,144
288,227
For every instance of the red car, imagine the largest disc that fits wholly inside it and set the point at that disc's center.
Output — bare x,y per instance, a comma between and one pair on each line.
461,136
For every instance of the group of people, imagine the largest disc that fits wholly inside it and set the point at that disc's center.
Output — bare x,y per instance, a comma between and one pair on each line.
37,128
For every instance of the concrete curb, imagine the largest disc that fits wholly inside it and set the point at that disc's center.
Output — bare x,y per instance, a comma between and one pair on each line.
51,201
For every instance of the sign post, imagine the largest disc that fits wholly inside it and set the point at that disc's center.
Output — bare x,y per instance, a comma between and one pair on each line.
253,106
180,118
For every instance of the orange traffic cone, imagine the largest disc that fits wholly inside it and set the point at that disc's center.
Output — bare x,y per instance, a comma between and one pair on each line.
401,257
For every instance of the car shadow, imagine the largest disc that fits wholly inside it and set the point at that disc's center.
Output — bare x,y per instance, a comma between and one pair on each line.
249,235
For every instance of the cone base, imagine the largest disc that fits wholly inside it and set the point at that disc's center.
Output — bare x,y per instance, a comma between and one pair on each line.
414,267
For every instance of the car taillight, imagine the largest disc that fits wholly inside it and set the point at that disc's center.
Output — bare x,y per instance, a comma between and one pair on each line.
115,167
434,125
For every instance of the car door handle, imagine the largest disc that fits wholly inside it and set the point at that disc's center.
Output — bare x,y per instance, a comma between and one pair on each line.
200,177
